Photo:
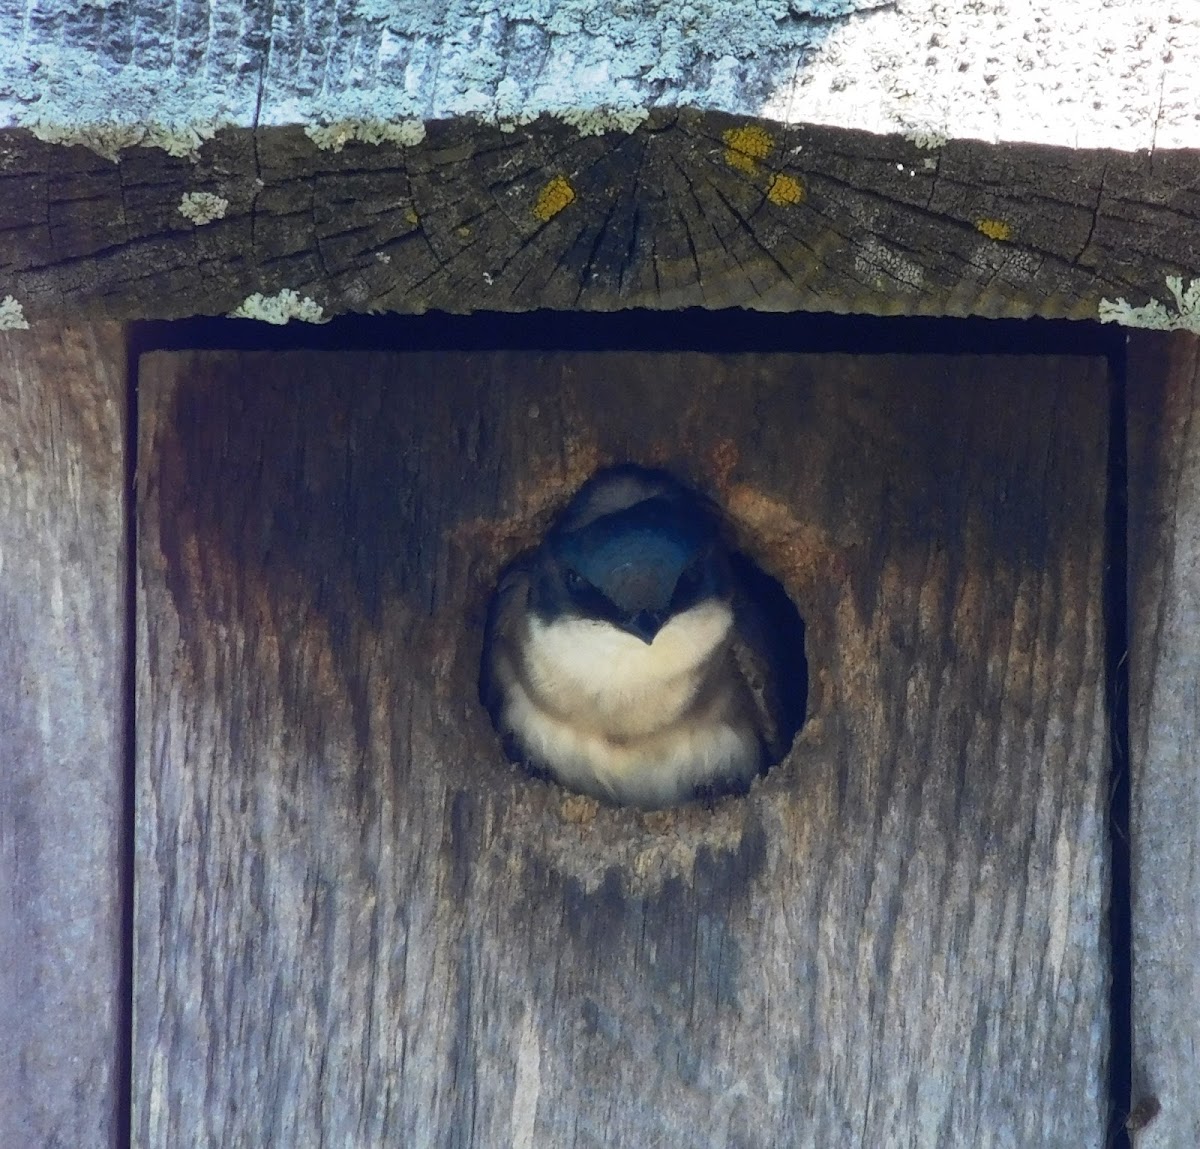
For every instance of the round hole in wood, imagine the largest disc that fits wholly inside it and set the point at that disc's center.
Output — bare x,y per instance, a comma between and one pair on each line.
634,656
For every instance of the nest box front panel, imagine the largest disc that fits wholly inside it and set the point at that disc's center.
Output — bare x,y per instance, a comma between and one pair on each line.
357,923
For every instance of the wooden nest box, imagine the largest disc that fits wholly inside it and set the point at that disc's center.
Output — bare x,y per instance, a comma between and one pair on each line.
268,879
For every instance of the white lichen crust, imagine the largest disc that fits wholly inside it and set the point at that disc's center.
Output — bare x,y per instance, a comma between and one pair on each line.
280,308
1156,315
334,137
202,207
1038,71
12,315
599,121
109,137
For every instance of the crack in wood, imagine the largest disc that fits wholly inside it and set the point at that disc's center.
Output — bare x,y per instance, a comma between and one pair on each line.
666,176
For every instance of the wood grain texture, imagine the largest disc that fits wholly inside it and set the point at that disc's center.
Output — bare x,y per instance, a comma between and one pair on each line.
356,924
62,730
1164,677
1072,73
694,209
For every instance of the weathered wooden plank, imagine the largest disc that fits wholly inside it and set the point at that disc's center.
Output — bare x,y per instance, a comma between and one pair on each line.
357,925
694,208
62,730
1075,73
1164,689
999,158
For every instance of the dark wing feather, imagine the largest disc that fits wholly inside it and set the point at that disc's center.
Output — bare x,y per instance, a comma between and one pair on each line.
768,650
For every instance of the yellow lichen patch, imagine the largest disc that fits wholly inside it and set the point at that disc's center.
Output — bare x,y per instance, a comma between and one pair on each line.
555,196
785,189
746,146
994,228
412,216
463,232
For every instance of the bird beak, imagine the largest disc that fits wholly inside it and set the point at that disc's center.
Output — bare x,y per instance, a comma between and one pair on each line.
645,625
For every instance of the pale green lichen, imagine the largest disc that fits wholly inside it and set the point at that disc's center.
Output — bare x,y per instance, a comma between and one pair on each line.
109,140
927,138
1156,315
598,121
334,137
202,207
377,71
12,315
280,308
511,106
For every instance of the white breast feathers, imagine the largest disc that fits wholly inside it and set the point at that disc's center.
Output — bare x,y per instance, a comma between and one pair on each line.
612,715
614,683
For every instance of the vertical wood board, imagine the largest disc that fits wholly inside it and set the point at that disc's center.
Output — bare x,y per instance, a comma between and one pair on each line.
1164,677
356,924
62,728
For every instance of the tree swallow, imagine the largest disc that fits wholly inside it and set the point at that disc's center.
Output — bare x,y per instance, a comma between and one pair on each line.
627,657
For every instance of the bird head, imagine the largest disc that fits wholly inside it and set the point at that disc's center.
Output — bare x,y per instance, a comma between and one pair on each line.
634,549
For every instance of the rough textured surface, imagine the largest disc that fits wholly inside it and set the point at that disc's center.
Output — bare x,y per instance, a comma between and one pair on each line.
62,712
1071,73
1164,515
304,160
356,923
690,210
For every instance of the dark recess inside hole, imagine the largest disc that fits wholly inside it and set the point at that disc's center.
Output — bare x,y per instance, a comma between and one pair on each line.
786,639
